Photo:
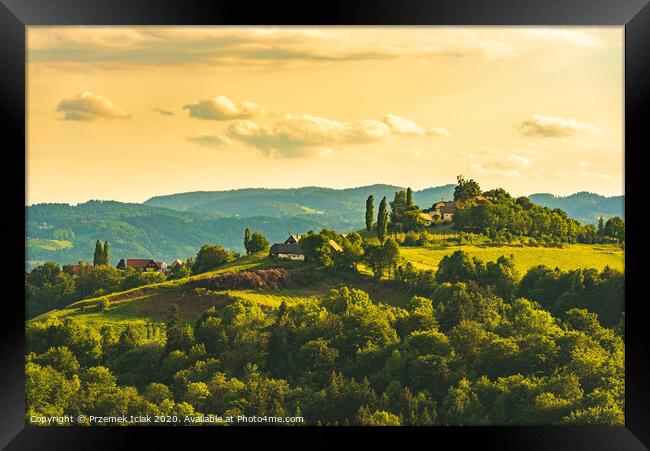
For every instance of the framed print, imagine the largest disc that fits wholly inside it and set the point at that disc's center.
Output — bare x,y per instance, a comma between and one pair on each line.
356,218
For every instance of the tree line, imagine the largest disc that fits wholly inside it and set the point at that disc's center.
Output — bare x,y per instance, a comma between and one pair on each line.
496,214
469,349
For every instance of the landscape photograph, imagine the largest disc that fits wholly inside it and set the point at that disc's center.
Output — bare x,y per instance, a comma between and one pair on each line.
324,226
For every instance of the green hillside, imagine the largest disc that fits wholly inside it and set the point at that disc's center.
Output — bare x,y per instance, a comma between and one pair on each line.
175,226
152,302
583,206
335,203
140,231
407,348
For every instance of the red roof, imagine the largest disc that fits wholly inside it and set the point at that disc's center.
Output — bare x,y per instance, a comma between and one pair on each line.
138,262
159,264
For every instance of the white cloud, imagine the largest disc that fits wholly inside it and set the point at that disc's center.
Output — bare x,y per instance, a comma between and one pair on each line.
402,126
258,46
221,108
89,107
215,140
554,127
510,166
305,135
563,35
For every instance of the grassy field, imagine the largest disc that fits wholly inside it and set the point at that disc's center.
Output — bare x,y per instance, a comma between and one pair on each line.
569,257
152,303
48,245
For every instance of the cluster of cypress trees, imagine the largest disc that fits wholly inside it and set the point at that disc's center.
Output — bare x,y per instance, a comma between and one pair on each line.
102,253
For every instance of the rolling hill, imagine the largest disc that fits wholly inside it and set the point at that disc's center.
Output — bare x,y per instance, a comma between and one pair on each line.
583,206
175,226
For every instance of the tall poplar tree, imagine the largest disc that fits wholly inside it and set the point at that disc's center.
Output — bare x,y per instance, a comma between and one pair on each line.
382,221
106,254
247,239
601,226
99,253
370,211
409,198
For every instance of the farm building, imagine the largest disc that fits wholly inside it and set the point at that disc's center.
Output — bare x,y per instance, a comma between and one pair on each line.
142,264
426,218
293,239
447,211
287,251
176,264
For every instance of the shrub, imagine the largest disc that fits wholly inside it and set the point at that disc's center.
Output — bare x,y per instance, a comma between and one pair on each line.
103,305
260,279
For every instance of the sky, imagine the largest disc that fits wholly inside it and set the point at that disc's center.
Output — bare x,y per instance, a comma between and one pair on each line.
127,113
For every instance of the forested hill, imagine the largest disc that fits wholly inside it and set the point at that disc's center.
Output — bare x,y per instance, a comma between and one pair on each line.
176,226
583,206
67,234
335,203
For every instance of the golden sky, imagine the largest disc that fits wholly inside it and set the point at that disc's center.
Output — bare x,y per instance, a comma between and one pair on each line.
126,113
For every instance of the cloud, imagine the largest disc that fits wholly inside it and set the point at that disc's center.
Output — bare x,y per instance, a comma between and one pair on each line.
221,108
216,140
163,112
89,107
306,135
252,47
401,126
554,127
574,37
510,166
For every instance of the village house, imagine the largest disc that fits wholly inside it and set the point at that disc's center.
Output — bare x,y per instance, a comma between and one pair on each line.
176,264
291,249
448,210
427,219
287,251
142,264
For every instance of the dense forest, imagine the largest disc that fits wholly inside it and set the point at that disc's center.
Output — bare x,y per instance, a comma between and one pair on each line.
460,355
473,342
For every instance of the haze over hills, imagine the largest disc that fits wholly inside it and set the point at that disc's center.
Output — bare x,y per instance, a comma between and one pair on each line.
584,206
175,226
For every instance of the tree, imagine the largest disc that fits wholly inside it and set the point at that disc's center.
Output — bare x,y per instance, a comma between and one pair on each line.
411,220
457,267
106,254
601,226
98,257
257,243
409,198
210,257
247,239
391,255
615,227
370,211
382,221
398,207
466,189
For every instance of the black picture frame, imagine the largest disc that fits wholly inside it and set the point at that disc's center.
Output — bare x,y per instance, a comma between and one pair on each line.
16,15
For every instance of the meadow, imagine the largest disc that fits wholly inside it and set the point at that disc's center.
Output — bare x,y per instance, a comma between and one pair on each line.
570,256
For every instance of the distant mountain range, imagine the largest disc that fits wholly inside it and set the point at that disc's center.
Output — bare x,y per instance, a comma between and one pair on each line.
583,206
176,225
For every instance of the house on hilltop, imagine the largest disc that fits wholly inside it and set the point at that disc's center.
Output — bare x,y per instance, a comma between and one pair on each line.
291,249
287,251
176,264
427,219
142,264
447,211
